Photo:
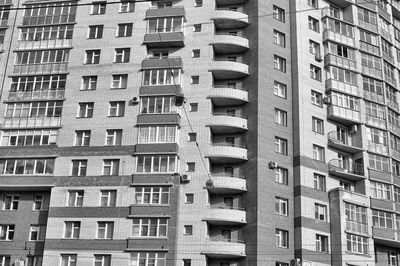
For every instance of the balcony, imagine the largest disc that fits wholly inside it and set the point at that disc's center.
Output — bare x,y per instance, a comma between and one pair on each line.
394,129
393,105
376,73
368,26
349,171
220,184
6,2
222,123
343,115
44,44
370,96
215,248
173,11
225,216
386,236
222,95
45,68
345,142
385,35
378,148
226,153
229,19
31,122
337,85
375,121
370,48
222,68
356,227
337,37
391,80
388,57
57,94
224,43
164,39
395,154
168,62
331,59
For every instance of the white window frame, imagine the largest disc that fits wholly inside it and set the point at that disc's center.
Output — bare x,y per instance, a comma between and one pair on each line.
321,212
75,198
38,198
75,228
139,225
113,165
110,196
122,55
281,238
119,81
68,259
105,230
13,200
318,153
280,89
116,109
85,110
89,83
280,117
82,137
113,137
7,232
281,206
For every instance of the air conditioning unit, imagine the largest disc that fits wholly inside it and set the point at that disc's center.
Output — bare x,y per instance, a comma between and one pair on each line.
186,178
19,263
135,100
295,262
353,129
318,57
272,165
327,100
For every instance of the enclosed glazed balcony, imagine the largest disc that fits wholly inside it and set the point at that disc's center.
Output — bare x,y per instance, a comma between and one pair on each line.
378,148
376,73
343,115
386,236
370,96
225,43
331,59
167,62
226,153
164,39
394,153
345,142
225,18
225,216
223,68
223,123
350,171
394,128
370,48
215,248
28,122
44,44
220,184
390,79
57,94
332,84
375,121
222,95
367,25
393,105
44,68
337,37
172,11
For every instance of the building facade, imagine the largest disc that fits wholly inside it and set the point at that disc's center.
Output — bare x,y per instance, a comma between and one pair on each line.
199,132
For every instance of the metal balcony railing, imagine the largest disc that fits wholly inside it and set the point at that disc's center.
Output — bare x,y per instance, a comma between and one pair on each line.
346,167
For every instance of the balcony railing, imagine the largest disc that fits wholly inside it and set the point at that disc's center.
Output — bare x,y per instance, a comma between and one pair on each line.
356,227
392,81
388,57
36,95
343,114
385,34
31,122
44,44
342,86
394,153
222,239
375,121
337,165
373,49
393,105
41,68
337,37
340,61
377,73
368,26
343,139
378,147
373,97
394,128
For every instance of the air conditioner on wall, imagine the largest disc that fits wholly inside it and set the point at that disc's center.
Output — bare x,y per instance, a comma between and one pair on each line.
272,165
186,178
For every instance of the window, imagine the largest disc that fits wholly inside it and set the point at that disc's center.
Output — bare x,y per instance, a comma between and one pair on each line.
382,219
156,164
105,230
313,24
279,38
320,212
357,244
27,166
190,167
125,30
281,206
196,53
36,232
188,230
49,32
108,198
102,260
82,138
194,107
79,167
189,198
127,6
280,117
279,13
279,89
281,175
113,137
122,55
392,257
198,3
157,134
32,261
99,8
281,264
96,32
7,232
85,110
92,57
170,76
165,24
148,258
192,137
152,195
11,202
116,109
34,109
195,80
319,182
153,227
396,194
318,125
321,243
197,27
42,57
281,238
68,259
316,98
313,3
75,198
119,81
38,200
110,167
378,162
157,105
315,73
314,48
318,153
279,63
29,137
281,146
89,83
72,230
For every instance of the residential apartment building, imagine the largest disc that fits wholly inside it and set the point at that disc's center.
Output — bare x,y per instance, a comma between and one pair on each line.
199,132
